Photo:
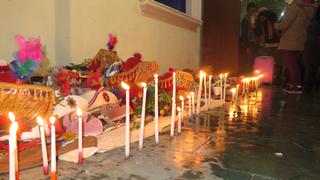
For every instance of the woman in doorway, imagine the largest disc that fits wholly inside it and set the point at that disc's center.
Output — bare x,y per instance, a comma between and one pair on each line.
293,26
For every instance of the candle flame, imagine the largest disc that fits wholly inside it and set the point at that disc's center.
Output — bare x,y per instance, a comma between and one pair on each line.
52,120
189,97
233,90
192,93
155,76
125,85
143,84
178,109
40,121
181,98
11,117
220,75
79,112
14,127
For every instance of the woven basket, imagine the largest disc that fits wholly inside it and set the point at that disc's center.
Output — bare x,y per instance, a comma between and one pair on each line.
142,72
184,80
105,57
26,101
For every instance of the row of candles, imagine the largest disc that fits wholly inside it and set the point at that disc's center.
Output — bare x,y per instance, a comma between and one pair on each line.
13,148
13,153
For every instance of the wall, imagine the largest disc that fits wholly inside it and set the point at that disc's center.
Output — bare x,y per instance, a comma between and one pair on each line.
73,30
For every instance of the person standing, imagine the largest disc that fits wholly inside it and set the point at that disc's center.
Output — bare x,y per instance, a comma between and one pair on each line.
292,41
312,54
248,39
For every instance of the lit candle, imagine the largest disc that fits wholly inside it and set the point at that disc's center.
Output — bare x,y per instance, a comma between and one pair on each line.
199,92
221,85
182,107
15,147
173,113
80,121
205,90
53,150
233,91
225,87
193,103
190,108
127,138
156,109
144,97
13,173
237,93
243,86
179,120
210,80
43,146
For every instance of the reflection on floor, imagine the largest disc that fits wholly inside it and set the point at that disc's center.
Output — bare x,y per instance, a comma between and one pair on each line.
269,135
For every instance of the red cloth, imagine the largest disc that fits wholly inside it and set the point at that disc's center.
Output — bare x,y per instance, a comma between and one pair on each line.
132,62
7,77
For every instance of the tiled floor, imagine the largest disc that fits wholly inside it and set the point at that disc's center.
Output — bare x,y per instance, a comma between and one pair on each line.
270,135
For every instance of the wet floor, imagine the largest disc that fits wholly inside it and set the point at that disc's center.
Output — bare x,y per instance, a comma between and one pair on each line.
270,135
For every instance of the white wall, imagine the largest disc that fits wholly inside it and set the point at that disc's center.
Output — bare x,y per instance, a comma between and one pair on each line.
73,30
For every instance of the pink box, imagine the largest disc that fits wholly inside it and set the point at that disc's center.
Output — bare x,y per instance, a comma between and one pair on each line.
265,65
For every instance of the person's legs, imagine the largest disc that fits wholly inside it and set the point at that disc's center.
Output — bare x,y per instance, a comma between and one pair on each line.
291,60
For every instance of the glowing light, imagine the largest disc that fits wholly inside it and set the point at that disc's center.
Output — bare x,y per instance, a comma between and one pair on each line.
52,120
143,84
178,109
11,117
181,98
40,121
233,90
79,112
125,85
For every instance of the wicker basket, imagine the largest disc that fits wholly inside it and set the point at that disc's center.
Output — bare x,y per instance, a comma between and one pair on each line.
26,101
142,72
104,57
184,81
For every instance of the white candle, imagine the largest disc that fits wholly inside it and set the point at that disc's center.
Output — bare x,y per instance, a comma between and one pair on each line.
53,149
80,122
182,107
127,137
173,113
179,120
243,86
225,87
13,174
189,102
209,94
237,93
193,103
233,91
221,85
15,146
205,90
43,146
143,111
156,109
199,92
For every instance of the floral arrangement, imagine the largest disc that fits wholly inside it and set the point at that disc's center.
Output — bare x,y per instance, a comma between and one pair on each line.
27,58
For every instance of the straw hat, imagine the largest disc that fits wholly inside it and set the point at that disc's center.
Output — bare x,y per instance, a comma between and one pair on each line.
99,98
68,105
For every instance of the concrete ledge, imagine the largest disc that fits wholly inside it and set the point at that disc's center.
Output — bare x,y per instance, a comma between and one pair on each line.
167,14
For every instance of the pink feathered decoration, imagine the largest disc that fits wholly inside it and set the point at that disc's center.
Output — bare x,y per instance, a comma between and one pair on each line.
29,49
112,42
